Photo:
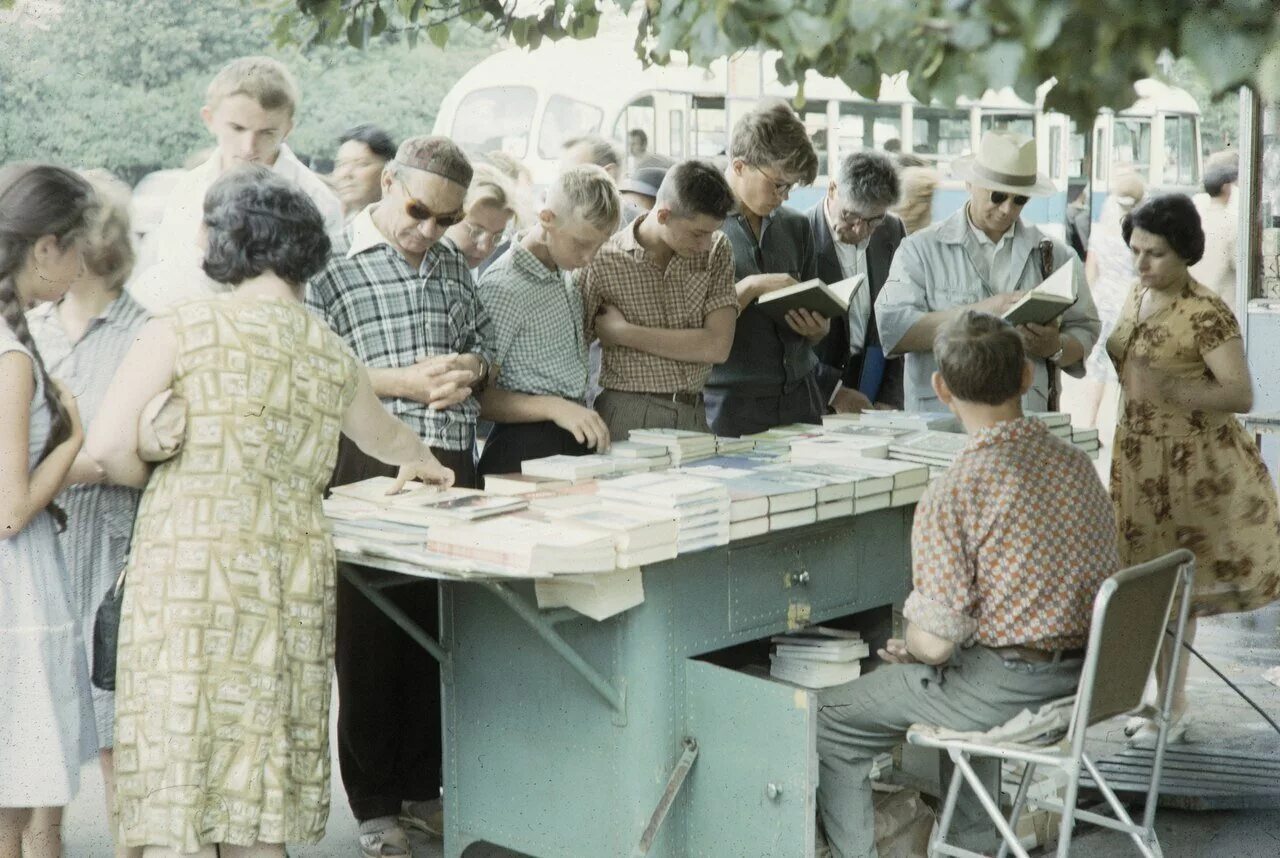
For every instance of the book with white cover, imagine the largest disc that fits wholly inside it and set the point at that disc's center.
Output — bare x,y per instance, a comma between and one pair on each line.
376,490
864,482
813,674
940,421
1051,418
834,650
573,468
526,544
939,444
835,509
647,556
795,518
462,504
862,430
903,497
826,487
871,503
826,299
1081,434
632,527
597,596
839,448
1048,301
636,450
749,528
664,489
904,474
522,484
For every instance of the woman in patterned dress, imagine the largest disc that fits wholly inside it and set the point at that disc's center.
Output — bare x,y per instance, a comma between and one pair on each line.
82,338
226,639
46,718
1184,473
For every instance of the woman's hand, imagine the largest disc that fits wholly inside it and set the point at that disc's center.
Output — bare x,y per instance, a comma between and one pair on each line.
68,400
428,471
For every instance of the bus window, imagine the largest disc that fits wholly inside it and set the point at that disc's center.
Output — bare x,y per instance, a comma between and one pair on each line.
867,125
1099,156
636,116
1077,158
940,131
1180,162
1055,152
676,144
815,123
1019,123
1131,146
710,137
564,119
497,117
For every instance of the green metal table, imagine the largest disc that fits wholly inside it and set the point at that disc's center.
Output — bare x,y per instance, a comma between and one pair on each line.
657,731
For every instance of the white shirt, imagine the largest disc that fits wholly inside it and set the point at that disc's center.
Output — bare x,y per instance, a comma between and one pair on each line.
853,261
997,254
176,275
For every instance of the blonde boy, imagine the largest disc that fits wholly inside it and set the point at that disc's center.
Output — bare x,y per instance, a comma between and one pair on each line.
249,109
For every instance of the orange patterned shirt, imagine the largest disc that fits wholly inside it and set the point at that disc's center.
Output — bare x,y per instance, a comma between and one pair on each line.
1011,544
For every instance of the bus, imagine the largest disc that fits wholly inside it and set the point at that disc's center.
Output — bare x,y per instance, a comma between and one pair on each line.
527,103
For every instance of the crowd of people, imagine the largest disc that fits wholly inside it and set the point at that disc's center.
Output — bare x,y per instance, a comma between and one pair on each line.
172,431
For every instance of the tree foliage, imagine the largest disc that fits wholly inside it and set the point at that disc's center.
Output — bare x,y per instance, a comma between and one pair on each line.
119,83
1095,48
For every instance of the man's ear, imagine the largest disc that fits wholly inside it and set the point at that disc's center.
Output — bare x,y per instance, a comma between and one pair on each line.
738,165
547,218
832,191
206,116
1028,376
45,250
662,215
940,388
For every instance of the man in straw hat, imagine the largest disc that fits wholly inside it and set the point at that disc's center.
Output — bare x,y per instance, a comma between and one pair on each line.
983,258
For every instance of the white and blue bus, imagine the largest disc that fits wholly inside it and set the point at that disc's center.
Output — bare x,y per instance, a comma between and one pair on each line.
527,103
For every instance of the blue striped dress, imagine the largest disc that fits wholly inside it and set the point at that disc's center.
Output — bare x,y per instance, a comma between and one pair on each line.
99,518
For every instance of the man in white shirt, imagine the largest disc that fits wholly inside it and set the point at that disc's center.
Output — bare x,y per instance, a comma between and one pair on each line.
854,234
249,110
983,258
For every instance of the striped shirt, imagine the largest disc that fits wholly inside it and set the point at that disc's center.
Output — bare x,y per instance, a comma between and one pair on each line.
677,297
394,316
1012,542
535,326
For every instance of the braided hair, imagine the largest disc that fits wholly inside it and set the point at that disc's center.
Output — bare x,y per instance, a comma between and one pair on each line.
38,200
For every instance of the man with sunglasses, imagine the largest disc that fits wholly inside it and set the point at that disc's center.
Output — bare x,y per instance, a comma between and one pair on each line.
853,234
405,303
984,257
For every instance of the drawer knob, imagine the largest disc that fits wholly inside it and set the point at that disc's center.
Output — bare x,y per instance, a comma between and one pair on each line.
773,791
800,578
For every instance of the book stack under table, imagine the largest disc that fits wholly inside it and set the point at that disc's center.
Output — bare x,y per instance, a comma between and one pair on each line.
818,657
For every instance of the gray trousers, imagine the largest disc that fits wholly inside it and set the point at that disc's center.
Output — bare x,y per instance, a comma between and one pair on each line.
623,411
976,690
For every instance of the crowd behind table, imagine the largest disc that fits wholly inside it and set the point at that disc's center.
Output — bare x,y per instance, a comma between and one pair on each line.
313,331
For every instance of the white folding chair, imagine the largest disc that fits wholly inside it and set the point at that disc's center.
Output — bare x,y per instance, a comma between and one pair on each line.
1130,614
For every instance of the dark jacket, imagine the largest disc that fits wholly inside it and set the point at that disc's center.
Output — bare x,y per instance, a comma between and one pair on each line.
837,363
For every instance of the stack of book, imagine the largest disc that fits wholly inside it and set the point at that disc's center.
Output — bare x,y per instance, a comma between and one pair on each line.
523,484
641,535
919,421
1059,424
700,506
522,545
1087,440
929,448
871,491
760,500
575,469
598,596
838,449
653,456
732,446
818,657
681,445
415,505
778,441
909,478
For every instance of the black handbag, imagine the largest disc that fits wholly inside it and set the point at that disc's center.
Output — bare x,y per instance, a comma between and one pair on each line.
106,633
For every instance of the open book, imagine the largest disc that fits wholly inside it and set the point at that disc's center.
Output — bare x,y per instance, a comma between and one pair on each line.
827,299
1047,301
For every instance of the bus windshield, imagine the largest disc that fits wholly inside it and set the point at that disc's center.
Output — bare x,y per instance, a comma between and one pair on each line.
497,117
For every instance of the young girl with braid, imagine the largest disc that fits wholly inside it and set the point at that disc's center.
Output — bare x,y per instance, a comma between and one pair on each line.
46,720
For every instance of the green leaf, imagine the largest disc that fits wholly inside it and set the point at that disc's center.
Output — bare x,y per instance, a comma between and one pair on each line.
438,34
355,32
379,21
1227,58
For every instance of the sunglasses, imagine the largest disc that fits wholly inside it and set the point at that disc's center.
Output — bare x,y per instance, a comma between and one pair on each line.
998,198
420,211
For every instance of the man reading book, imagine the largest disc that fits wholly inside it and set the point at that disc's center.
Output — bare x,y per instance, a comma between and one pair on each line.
853,234
660,298
984,257
1008,550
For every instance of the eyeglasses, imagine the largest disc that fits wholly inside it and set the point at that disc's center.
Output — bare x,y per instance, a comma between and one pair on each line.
420,211
480,236
783,188
998,198
849,218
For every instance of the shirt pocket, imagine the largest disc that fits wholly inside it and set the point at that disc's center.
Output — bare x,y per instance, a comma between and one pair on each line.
953,291
462,328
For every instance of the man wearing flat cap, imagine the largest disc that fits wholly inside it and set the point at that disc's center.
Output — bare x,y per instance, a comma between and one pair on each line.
984,257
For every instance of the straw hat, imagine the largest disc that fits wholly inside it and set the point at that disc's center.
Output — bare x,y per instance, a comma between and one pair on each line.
1006,161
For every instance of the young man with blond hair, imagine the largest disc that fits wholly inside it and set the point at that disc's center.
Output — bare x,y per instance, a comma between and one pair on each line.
770,378
660,297
535,328
249,109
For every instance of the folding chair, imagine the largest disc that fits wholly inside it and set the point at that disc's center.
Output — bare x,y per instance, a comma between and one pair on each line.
1130,614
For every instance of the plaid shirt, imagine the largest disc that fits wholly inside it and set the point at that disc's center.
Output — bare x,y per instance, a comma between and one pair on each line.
535,326
1011,544
625,276
394,316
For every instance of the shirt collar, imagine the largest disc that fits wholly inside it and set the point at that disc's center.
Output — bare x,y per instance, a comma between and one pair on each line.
525,263
114,314
286,165
1008,431
628,240
365,233
983,238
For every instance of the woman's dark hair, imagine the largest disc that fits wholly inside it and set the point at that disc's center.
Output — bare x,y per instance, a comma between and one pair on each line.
1174,218
38,200
378,141
257,222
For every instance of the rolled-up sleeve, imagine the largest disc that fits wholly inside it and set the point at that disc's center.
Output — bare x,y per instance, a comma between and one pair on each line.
944,570
902,301
1081,319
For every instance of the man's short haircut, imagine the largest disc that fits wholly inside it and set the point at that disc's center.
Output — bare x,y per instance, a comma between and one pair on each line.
586,193
263,79
257,221
600,151
772,135
107,242
981,358
489,186
1174,218
869,179
433,154
1218,176
638,134
378,141
693,188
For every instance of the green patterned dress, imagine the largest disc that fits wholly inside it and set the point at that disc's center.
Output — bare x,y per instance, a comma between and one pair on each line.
226,641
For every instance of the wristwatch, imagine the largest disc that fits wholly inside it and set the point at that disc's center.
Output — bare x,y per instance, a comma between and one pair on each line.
1056,357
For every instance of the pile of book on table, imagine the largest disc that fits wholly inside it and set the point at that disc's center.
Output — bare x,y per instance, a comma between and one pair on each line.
680,444
818,657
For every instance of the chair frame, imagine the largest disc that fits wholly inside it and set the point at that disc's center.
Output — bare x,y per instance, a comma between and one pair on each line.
1069,756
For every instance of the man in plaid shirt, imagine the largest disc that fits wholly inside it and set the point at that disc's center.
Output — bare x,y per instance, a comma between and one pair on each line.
406,305
1009,549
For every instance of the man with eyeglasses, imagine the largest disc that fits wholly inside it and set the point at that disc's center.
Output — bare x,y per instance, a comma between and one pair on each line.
405,303
853,234
984,258
770,378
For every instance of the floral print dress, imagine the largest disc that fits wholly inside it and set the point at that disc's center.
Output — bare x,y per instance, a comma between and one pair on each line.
1192,479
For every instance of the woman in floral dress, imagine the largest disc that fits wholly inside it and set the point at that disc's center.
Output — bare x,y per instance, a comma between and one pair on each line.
1185,474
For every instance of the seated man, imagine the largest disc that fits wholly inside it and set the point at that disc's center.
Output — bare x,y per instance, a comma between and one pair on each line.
1009,549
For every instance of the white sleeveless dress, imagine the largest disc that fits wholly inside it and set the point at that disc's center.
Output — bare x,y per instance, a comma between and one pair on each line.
46,719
